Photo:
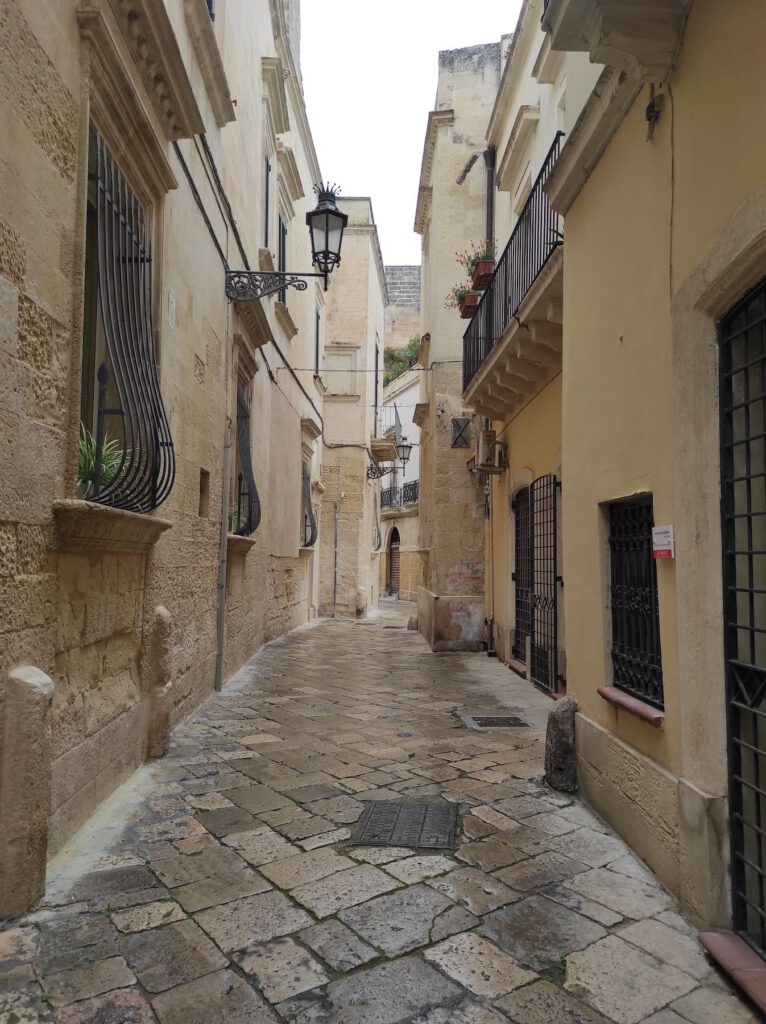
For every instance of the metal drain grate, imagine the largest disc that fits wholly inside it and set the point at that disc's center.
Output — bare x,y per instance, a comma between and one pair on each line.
402,823
482,722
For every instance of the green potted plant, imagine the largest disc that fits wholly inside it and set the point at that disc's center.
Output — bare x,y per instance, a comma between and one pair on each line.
462,297
478,261
111,460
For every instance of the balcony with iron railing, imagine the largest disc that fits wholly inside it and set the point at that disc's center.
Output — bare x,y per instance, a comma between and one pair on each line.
392,498
535,238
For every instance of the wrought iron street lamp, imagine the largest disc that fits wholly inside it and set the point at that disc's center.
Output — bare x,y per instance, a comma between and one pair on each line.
404,450
326,224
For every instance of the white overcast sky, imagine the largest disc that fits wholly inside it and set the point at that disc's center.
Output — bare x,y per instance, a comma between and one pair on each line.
369,76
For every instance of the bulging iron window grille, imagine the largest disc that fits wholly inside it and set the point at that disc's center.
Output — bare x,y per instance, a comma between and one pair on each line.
309,531
126,457
246,514
461,431
636,657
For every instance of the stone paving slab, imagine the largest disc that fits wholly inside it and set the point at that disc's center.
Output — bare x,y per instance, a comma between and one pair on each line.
219,886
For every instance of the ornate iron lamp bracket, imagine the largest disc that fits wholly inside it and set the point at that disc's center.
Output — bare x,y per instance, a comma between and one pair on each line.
251,285
376,472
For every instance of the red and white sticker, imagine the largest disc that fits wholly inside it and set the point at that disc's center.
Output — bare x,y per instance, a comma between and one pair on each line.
663,542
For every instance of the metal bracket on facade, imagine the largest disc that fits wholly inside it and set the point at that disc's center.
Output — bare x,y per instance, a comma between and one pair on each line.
251,285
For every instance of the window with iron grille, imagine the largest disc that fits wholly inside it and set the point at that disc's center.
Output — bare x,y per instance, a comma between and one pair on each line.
282,256
636,658
126,456
461,431
246,510
266,202
309,529
522,575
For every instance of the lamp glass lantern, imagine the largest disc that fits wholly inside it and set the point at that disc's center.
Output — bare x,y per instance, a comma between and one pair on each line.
326,224
404,450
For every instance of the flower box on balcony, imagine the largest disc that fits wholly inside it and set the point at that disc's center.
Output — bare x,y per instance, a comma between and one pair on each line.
482,275
468,305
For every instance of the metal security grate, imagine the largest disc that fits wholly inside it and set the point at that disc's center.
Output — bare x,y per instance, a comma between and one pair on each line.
636,658
403,823
522,575
131,423
544,654
742,339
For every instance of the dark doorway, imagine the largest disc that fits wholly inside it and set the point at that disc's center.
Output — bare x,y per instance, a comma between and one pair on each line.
392,583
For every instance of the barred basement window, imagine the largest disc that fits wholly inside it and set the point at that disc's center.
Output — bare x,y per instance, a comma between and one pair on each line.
309,531
246,513
126,457
636,657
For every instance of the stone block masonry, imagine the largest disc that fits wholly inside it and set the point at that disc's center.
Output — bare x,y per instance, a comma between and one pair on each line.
25,786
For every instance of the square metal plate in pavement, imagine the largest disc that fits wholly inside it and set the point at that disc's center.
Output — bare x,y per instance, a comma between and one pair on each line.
406,823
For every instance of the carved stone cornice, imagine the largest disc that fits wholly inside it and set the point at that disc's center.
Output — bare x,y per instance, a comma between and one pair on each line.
515,150
209,59
274,84
639,37
148,32
600,118
289,173
116,107
254,322
436,119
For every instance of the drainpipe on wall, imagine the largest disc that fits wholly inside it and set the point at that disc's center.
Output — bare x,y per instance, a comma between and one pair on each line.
335,565
222,556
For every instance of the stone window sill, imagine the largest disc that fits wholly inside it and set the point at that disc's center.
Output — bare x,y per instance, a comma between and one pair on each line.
624,702
306,551
85,527
238,545
745,968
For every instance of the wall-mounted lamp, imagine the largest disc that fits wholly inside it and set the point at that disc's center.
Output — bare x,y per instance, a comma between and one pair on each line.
326,225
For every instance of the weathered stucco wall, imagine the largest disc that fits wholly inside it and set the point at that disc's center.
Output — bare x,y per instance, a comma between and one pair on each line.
534,449
661,240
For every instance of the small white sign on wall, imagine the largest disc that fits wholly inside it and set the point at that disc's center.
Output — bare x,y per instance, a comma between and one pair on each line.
663,542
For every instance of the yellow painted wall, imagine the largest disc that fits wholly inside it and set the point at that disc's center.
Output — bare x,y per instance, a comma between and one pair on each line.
533,437
642,223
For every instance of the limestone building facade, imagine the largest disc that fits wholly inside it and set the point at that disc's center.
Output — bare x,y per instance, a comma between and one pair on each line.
451,209
401,572
148,148
352,375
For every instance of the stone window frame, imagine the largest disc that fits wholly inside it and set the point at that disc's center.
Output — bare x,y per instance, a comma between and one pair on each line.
139,100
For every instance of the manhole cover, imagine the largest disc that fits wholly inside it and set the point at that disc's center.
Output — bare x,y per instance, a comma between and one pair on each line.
494,722
394,823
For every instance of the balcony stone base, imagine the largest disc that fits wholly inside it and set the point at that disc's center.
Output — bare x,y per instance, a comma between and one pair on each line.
451,622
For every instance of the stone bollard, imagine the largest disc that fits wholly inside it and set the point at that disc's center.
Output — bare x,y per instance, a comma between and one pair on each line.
25,786
159,704
560,754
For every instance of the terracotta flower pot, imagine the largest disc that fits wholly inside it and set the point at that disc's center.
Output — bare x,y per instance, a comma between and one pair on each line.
468,305
483,274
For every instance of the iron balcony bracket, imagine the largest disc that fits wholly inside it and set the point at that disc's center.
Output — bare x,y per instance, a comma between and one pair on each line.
251,285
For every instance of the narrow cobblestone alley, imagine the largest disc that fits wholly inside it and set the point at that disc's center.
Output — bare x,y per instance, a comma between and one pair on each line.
219,884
